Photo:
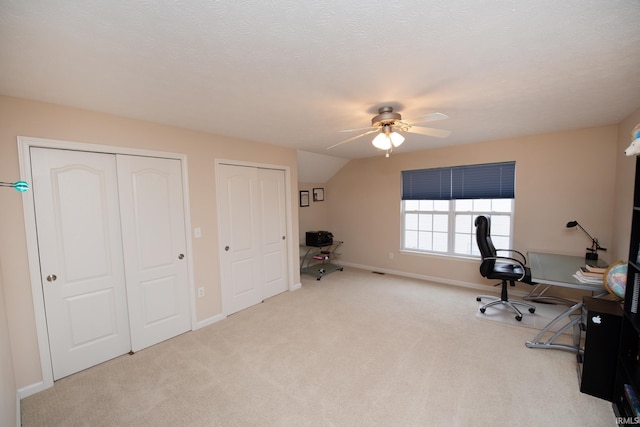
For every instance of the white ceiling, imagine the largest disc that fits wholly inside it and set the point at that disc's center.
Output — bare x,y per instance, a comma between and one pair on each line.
314,167
295,73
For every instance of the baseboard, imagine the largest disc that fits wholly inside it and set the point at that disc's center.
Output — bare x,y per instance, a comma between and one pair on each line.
31,389
296,286
209,321
459,283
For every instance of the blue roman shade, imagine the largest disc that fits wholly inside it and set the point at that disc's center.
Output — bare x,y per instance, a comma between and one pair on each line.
487,181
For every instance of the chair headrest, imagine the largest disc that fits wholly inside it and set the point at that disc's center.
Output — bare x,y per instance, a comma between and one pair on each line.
483,228
483,238
482,220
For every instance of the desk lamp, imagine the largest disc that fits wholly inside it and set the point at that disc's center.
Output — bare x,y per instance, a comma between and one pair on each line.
592,252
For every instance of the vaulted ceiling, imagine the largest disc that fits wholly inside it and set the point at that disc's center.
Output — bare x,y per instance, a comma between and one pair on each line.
295,73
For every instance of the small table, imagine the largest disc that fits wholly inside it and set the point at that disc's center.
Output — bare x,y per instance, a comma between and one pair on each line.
558,270
317,260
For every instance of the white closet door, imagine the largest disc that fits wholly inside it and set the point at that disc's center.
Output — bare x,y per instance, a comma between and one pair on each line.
153,226
239,237
273,231
79,240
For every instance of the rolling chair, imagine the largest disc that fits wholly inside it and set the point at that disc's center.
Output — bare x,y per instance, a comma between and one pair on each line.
506,269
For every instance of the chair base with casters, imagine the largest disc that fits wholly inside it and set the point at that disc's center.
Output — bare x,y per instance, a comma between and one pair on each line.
504,300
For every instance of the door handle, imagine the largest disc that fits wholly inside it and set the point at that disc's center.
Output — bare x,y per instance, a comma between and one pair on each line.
51,278
180,256
226,248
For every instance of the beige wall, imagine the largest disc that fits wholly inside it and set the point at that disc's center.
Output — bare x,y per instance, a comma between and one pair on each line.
25,118
561,177
316,215
625,178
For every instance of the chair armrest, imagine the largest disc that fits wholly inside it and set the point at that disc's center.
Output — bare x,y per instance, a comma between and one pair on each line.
524,258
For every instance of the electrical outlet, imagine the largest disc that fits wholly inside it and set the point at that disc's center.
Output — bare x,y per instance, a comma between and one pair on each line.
200,292
197,232
390,255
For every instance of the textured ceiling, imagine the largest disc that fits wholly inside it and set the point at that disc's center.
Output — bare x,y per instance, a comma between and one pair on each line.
295,73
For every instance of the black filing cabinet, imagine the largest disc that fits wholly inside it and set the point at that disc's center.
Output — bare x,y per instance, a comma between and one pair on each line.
601,322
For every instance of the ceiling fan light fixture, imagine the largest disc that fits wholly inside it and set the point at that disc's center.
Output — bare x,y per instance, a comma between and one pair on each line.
396,139
385,141
382,141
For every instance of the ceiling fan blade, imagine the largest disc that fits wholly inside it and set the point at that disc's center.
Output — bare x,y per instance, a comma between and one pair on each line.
351,139
425,119
439,133
367,128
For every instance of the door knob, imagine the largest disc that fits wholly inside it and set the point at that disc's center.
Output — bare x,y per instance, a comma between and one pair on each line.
51,278
283,237
226,248
180,256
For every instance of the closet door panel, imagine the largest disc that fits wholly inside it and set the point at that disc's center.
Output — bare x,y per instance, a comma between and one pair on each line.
273,231
80,252
240,250
154,239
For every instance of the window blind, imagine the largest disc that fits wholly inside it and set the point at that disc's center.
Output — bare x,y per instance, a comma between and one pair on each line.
486,181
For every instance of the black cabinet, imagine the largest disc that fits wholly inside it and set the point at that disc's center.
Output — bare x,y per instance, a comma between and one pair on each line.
626,395
597,365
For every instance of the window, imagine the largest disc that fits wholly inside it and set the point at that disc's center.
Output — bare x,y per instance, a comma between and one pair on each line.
440,205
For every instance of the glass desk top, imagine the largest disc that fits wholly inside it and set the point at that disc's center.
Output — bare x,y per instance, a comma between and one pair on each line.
558,270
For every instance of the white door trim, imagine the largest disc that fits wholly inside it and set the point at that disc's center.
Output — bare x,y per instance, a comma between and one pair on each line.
289,213
24,158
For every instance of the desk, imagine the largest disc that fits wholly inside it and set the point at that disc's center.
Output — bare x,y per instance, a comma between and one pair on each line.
558,270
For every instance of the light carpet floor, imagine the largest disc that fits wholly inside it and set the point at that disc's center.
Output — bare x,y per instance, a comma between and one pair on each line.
354,349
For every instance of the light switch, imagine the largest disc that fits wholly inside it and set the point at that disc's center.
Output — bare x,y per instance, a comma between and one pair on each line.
197,232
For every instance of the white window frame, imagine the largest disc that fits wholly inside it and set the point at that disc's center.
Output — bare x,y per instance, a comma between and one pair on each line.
501,237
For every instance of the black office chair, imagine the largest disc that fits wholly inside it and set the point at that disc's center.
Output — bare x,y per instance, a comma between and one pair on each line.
506,269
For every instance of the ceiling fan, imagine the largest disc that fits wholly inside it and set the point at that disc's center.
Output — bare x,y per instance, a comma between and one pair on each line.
388,125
